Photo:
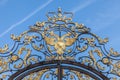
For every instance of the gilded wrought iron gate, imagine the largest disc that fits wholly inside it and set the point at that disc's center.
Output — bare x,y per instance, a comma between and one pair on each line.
59,49
61,70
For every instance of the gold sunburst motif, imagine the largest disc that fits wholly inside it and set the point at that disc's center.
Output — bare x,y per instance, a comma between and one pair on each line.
59,43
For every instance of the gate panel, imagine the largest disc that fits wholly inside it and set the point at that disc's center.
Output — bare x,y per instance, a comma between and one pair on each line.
60,70
61,46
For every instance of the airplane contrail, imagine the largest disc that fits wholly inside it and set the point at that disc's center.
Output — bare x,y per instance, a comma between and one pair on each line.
76,9
26,18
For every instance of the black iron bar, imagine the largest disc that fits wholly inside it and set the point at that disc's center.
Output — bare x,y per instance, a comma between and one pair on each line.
60,72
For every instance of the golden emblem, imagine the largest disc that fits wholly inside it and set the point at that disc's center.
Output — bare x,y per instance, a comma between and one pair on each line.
60,43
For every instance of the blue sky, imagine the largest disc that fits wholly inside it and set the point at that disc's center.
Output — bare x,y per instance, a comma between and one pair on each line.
102,16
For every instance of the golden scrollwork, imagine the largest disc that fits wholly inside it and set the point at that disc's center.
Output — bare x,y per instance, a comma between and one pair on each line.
116,68
36,47
28,39
79,26
106,60
40,24
92,56
100,40
90,41
14,57
112,52
36,75
20,52
99,53
59,16
5,49
18,38
3,64
49,41
82,76
82,49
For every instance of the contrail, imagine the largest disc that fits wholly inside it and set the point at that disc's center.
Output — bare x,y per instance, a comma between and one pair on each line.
76,9
26,18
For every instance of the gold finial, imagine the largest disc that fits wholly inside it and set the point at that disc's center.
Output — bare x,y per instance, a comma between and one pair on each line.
59,10
59,16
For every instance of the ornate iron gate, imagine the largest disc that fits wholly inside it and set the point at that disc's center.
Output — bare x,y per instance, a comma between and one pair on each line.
59,49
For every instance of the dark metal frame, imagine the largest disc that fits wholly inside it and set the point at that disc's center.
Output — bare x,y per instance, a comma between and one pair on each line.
87,54
58,64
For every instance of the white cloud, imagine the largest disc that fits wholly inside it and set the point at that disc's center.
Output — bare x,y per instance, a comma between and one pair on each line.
25,18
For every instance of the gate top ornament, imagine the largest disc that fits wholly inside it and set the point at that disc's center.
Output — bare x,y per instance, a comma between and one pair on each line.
59,39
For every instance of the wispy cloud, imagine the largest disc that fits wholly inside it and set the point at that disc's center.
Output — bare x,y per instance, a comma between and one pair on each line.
26,18
109,16
82,6
104,23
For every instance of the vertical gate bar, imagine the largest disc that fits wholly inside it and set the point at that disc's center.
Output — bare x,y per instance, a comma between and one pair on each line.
60,73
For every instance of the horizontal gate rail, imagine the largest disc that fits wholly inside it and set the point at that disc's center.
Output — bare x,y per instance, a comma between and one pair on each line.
55,64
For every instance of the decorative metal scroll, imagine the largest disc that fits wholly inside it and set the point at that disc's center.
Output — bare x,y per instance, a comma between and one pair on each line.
59,39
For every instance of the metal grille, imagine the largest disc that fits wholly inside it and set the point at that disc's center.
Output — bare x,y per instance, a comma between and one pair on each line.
59,49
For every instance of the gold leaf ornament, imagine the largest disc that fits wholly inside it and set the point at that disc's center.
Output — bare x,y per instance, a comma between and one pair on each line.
1,62
59,43
105,60
14,57
5,49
